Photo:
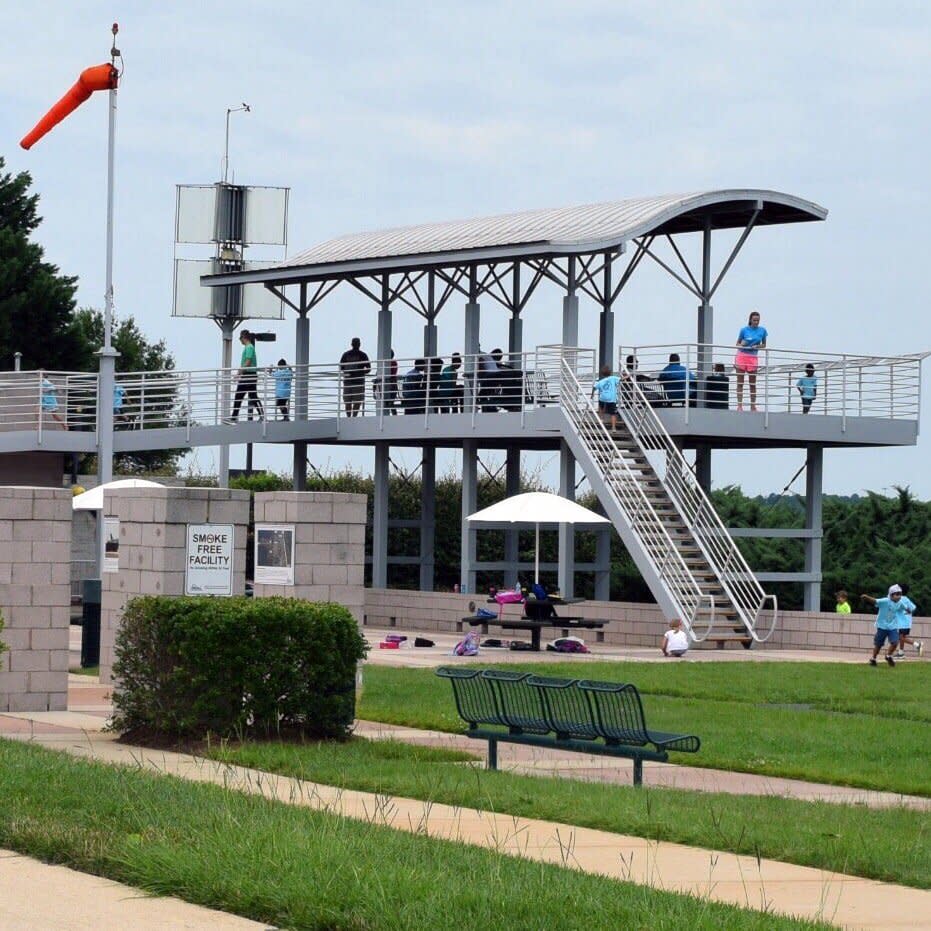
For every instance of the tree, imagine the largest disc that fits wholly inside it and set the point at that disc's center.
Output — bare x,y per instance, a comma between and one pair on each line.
136,354
36,300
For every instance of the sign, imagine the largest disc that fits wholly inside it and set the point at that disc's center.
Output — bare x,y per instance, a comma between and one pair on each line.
111,545
209,567
274,554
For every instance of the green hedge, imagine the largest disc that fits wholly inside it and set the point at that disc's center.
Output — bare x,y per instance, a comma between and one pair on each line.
188,667
3,646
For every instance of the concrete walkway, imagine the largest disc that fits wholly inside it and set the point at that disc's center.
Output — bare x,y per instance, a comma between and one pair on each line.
783,888
35,896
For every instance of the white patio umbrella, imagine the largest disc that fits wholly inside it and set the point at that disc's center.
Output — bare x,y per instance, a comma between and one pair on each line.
93,500
537,507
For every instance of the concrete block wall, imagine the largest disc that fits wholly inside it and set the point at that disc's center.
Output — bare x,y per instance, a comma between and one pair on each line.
629,624
329,545
35,597
153,547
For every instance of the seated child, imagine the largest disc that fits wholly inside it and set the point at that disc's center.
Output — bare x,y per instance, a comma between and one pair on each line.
675,640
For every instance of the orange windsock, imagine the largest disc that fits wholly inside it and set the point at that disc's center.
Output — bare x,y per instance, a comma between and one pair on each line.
97,78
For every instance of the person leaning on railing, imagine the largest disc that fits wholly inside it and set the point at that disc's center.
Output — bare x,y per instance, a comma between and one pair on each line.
450,388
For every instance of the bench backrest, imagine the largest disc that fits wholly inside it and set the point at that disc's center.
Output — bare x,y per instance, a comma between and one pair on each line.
474,695
566,708
617,712
521,708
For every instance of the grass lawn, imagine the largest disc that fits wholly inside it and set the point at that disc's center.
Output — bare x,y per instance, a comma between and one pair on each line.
306,870
848,839
825,722
89,671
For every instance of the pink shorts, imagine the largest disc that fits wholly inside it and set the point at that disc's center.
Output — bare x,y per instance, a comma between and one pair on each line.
746,362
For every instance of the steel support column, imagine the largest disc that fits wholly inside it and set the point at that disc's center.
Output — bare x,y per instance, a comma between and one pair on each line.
108,357
705,322
813,491
603,564
606,348
566,577
467,576
703,466
511,537
380,518
427,518
471,342
301,361
383,343
227,328
570,308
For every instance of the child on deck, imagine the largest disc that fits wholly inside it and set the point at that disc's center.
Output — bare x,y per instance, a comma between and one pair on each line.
808,388
887,623
606,386
843,605
283,377
905,623
675,640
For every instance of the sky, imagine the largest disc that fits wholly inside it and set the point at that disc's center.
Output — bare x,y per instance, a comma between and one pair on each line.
379,115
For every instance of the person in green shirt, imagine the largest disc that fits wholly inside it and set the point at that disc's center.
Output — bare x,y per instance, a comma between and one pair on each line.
843,605
247,383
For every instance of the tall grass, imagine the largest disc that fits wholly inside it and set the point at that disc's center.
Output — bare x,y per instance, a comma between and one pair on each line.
299,869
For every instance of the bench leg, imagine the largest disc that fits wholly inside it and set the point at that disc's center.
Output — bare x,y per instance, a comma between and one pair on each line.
492,754
535,639
638,771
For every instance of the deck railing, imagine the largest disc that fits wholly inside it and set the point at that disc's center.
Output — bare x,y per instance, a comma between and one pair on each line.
847,385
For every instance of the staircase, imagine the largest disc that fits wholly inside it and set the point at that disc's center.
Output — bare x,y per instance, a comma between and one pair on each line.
667,523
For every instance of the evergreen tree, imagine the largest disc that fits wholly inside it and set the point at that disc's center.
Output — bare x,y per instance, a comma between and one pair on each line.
36,300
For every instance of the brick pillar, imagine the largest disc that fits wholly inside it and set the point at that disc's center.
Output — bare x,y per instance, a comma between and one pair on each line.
329,547
35,597
153,547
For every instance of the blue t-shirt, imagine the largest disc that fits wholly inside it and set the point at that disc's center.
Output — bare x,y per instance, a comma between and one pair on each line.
119,395
674,378
888,612
607,389
283,376
750,338
905,615
808,386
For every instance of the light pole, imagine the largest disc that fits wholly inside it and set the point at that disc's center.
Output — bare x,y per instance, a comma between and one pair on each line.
245,108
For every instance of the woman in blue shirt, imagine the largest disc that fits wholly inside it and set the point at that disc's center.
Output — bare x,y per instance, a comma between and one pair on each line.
750,340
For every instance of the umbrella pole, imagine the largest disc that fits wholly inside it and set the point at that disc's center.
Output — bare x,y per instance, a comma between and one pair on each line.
536,557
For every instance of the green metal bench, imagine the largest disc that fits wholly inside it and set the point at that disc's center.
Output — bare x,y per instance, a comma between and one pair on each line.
604,718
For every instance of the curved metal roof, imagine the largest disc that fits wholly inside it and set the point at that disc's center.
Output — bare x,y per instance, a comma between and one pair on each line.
555,231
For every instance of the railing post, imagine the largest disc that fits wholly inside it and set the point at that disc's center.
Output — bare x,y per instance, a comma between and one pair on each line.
688,378
188,418
40,409
860,390
765,389
843,391
141,418
891,393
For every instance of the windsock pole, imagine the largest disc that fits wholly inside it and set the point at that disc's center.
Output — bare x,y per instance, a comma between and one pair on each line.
108,355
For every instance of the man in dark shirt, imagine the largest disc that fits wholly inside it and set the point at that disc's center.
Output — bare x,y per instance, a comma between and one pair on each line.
354,365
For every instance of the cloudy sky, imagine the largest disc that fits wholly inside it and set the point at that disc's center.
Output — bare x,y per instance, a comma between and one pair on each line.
385,114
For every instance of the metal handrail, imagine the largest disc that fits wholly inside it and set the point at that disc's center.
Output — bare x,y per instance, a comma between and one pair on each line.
722,553
629,495
848,385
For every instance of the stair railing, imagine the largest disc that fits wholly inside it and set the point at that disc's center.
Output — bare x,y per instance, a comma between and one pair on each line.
627,490
736,578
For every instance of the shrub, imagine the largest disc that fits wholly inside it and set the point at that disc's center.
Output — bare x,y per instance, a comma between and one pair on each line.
188,667
3,646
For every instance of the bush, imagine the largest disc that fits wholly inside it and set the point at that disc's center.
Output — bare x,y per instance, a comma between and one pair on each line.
188,667
3,646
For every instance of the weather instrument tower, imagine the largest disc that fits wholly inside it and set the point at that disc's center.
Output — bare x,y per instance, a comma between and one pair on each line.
232,217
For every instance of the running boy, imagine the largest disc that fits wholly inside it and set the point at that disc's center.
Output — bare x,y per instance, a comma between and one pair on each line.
887,623
905,623
606,386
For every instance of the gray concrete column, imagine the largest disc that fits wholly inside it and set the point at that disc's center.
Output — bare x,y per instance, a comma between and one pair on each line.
813,492
383,347
227,328
301,361
106,380
471,342
427,518
511,537
703,467
566,577
467,575
380,518
603,564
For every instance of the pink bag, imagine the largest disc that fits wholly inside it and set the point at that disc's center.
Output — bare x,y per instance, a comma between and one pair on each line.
509,598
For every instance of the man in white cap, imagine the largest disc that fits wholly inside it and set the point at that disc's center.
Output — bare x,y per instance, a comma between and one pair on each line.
887,622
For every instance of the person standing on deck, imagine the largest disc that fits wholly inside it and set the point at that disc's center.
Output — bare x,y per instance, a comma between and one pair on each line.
354,365
750,340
